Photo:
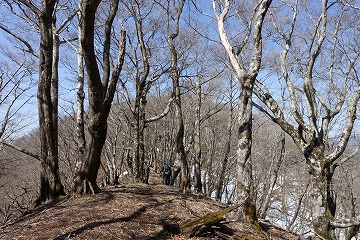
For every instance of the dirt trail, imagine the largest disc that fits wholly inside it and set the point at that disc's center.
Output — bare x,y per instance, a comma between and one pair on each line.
134,211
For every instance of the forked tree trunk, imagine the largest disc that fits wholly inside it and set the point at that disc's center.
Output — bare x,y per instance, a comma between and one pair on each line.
101,93
246,77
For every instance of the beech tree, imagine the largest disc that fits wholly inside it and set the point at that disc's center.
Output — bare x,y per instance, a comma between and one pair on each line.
319,67
101,91
50,183
175,75
146,65
246,72
40,17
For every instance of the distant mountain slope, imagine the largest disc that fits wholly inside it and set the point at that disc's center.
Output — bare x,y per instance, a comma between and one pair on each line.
134,211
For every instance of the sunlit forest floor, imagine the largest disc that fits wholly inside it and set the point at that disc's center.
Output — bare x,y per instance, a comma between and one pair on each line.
133,211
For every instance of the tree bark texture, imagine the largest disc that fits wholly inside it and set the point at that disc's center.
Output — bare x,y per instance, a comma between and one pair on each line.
50,183
322,197
245,183
80,96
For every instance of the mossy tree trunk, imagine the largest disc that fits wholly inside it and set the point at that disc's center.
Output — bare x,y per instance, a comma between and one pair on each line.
322,200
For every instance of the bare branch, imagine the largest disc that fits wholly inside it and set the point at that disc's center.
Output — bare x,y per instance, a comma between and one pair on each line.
345,3
163,114
26,43
116,73
349,124
346,223
37,157
31,6
350,156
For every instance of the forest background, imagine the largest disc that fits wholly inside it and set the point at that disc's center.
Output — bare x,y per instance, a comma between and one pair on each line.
251,102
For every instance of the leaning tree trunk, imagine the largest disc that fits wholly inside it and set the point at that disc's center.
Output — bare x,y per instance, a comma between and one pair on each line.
50,184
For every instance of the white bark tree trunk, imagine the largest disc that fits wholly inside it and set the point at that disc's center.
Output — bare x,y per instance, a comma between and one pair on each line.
246,79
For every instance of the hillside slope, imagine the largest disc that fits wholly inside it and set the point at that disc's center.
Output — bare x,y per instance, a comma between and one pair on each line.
134,211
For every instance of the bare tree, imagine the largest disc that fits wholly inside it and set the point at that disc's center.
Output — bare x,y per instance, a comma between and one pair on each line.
146,67
277,160
13,90
180,148
101,91
328,89
41,18
50,184
246,75
227,147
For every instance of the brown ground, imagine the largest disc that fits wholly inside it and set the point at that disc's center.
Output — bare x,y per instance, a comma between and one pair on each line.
134,211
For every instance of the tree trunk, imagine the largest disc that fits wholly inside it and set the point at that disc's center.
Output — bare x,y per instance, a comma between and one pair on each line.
180,149
245,183
220,186
179,122
50,183
273,173
101,94
139,146
80,96
246,78
323,204
91,162
197,139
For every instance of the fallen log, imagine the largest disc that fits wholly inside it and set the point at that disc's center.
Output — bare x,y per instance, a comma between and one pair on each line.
204,223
